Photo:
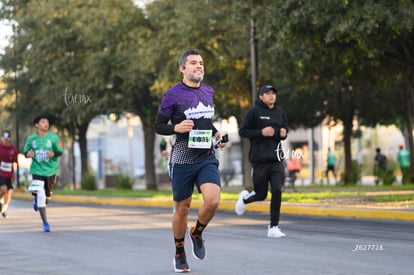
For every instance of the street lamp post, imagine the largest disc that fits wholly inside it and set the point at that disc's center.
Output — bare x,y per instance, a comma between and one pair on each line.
253,55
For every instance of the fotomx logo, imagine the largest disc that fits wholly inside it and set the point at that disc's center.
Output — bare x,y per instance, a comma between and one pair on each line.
281,154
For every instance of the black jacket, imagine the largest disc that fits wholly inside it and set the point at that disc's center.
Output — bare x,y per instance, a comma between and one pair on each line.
263,148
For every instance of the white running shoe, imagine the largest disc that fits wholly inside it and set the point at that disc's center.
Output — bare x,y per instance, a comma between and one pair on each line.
274,232
240,205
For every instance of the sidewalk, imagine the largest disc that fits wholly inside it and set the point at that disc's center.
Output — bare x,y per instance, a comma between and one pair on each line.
327,209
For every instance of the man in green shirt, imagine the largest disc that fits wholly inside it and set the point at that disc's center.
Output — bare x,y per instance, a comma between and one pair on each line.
44,148
331,160
404,161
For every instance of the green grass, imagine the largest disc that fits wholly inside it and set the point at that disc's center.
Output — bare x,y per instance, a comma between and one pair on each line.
116,193
307,197
361,188
308,194
392,198
317,196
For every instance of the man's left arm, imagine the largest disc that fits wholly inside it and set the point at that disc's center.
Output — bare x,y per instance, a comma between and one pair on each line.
284,129
58,147
14,154
219,136
216,133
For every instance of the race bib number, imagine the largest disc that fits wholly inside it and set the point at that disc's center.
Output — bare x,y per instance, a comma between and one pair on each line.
200,139
6,166
36,185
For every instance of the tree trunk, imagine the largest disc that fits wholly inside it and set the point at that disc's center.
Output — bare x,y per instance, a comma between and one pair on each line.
245,147
247,167
348,179
149,143
73,162
409,123
82,129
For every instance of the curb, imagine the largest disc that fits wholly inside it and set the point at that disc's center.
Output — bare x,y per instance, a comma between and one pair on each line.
287,208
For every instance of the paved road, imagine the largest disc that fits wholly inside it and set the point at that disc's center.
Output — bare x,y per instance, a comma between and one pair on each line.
338,208
98,239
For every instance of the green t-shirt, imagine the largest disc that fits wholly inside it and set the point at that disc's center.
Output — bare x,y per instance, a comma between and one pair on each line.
331,158
42,165
404,158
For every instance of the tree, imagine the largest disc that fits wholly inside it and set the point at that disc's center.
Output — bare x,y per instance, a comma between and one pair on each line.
315,45
222,36
385,33
328,59
68,51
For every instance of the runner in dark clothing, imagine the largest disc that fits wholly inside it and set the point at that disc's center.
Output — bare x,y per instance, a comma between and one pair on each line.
265,125
8,156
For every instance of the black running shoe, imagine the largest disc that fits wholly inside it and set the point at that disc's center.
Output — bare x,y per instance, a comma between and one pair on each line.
197,245
180,264
4,214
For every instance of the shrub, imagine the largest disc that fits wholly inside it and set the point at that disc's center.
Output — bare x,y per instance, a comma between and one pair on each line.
356,171
88,181
388,177
356,174
123,182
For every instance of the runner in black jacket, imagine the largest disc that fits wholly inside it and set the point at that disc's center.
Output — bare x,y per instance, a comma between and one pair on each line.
265,125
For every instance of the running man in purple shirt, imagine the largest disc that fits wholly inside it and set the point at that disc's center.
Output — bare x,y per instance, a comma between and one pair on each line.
187,112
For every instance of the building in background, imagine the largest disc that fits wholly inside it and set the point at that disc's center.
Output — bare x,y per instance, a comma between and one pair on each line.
117,146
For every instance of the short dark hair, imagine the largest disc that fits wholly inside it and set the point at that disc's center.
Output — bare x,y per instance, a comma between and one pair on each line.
40,117
183,57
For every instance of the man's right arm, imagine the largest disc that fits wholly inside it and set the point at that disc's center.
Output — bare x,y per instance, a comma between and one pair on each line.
247,127
162,126
27,147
